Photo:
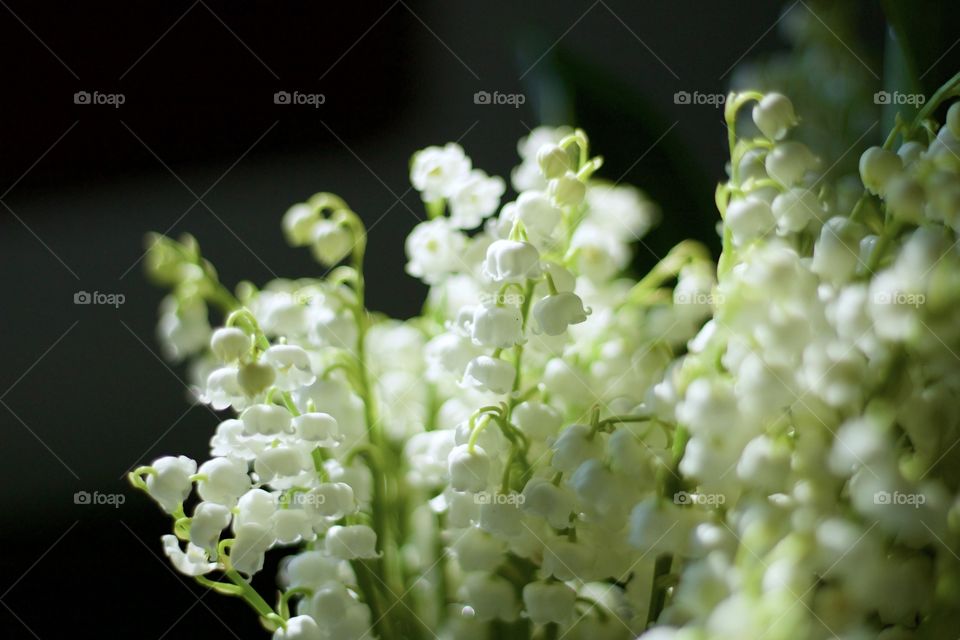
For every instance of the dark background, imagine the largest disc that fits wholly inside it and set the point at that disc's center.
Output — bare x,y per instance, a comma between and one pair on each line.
200,146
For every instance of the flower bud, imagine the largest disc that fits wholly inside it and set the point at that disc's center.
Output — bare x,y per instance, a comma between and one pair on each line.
554,161
298,223
266,419
230,344
788,162
469,470
332,242
554,313
547,602
499,327
538,215
489,373
352,542
255,377
748,218
511,261
774,115
319,428
567,190
170,483
877,167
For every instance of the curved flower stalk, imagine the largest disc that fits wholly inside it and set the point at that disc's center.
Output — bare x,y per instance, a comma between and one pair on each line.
756,449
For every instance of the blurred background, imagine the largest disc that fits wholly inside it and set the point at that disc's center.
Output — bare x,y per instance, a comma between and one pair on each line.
120,119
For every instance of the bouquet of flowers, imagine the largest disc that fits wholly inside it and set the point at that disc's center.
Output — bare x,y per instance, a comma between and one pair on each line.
757,447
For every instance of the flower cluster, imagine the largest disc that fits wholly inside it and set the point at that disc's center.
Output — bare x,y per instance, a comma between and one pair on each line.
755,448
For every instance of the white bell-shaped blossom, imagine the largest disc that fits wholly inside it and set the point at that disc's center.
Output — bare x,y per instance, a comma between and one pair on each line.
434,250
469,469
749,218
536,419
317,427
491,374
554,313
574,446
230,344
511,261
474,198
547,602
223,480
435,171
279,462
496,326
477,550
552,503
309,569
169,483
877,167
332,500
266,419
774,115
490,596
351,542
250,544
192,562
292,365
795,208
788,161
209,519
299,628
540,217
